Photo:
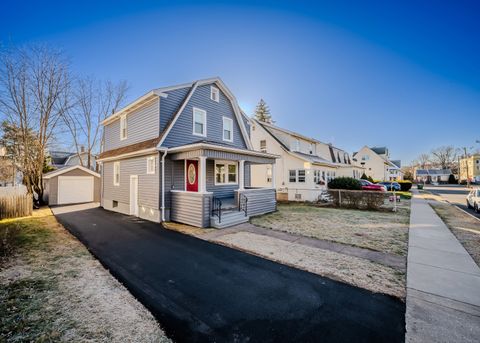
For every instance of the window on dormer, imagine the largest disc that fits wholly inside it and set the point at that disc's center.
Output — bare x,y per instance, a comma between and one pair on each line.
214,94
123,127
227,129
199,122
297,145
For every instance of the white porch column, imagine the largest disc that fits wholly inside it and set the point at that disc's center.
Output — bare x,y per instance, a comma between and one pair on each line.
274,183
241,172
202,180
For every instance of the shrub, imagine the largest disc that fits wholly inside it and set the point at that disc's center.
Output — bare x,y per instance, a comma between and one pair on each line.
370,179
364,176
405,185
345,183
452,180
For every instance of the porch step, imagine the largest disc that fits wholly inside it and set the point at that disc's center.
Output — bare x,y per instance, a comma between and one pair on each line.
229,218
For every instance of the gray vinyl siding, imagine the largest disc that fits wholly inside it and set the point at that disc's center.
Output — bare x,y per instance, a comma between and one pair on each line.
182,131
191,208
170,105
221,191
260,201
142,125
148,184
174,179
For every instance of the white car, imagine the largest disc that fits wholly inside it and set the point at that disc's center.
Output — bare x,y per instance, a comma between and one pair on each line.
473,199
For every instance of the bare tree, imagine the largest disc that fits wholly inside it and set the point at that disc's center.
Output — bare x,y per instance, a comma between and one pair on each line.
444,156
34,85
93,102
423,160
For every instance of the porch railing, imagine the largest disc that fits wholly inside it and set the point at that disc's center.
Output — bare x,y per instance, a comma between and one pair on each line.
217,208
243,204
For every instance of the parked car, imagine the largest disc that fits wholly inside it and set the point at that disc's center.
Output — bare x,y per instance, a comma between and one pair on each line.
368,186
473,199
391,185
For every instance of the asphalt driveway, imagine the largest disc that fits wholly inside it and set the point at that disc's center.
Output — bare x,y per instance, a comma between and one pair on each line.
201,291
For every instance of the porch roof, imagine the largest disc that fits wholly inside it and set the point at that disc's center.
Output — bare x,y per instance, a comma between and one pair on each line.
221,152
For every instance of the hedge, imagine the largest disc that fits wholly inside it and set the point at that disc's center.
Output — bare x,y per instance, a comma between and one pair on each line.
369,200
345,182
405,185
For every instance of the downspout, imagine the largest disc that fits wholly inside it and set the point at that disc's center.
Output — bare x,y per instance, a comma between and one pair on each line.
163,184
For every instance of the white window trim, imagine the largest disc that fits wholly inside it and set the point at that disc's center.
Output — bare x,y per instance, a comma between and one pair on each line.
226,163
231,129
296,177
150,158
123,125
116,165
204,124
212,91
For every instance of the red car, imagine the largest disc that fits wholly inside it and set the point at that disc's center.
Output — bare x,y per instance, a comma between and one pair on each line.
368,186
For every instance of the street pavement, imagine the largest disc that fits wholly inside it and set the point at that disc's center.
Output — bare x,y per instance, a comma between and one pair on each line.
455,194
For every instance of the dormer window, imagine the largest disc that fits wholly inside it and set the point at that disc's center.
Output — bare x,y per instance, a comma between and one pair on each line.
199,122
227,129
123,127
310,148
214,94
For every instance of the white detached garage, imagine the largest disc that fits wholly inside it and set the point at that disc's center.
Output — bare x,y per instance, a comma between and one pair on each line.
71,185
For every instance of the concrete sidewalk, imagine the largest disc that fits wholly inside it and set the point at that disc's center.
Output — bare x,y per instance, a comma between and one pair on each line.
443,282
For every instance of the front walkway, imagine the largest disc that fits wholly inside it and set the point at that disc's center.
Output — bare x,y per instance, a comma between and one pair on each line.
443,282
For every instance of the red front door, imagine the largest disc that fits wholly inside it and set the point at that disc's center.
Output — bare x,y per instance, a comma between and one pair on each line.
192,176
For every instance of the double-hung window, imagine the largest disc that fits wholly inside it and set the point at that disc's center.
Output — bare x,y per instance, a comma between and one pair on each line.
123,127
269,174
292,176
199,122
214,94
227,129
225,173
263,145
301,175
151,165
116,173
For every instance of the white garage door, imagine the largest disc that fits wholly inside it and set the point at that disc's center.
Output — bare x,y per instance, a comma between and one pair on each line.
75,189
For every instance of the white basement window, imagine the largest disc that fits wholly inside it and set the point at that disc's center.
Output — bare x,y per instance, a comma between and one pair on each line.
214,94
227,129
199,122
116,173
225,173
123,127
151,165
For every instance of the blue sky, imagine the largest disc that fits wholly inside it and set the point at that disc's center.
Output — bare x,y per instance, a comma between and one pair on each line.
401,74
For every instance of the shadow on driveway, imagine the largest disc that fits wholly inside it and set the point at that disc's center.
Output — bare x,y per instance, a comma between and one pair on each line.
201,291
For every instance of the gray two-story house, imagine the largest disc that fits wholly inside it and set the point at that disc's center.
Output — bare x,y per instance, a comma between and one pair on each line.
183,153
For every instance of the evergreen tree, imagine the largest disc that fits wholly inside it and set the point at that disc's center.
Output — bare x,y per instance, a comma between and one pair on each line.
262,112
364,177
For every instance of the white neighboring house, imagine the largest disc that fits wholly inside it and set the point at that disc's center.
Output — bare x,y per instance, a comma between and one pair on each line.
377,164
305,166
432,175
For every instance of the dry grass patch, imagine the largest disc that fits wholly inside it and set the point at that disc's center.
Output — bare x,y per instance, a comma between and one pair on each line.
352,270
463,226
52,289
383,231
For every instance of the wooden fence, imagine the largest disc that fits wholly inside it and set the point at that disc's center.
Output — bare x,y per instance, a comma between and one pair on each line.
14,205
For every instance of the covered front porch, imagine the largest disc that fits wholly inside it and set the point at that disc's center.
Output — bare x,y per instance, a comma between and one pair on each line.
216,187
